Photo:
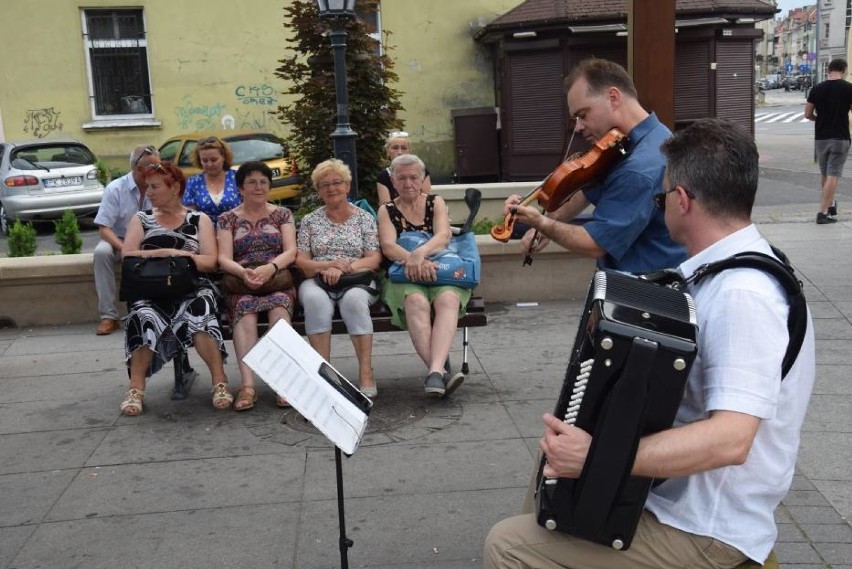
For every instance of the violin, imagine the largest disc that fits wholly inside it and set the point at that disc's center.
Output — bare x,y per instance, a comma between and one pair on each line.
570,176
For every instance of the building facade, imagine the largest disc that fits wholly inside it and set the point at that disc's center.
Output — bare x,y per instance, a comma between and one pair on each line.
116,73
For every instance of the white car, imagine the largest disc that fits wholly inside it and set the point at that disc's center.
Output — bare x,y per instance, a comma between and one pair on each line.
41,178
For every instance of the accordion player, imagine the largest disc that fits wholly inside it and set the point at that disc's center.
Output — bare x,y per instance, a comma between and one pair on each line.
629,365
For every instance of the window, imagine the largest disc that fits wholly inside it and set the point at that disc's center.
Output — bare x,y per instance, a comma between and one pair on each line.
371,15
117,60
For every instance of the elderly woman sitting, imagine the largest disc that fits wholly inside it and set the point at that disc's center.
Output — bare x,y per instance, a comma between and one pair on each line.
411,304
336,241
257,240
156,330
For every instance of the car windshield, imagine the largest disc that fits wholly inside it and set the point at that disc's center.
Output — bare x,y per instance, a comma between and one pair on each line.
257,147
49,156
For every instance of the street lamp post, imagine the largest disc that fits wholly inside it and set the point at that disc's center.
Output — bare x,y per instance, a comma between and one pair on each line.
337,13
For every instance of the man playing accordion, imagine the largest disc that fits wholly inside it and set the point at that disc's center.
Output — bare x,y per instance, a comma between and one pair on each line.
729,458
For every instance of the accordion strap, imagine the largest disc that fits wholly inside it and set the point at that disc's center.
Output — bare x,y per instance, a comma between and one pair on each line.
797,317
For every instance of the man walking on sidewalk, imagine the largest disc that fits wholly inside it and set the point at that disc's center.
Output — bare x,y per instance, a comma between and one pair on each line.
829,104
122,198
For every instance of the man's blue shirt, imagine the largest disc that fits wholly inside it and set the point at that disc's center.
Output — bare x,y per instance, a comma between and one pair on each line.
626,223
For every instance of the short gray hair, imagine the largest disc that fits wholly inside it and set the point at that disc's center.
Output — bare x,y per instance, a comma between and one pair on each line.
404,160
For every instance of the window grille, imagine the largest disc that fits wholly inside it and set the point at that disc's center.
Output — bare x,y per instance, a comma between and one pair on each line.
117,60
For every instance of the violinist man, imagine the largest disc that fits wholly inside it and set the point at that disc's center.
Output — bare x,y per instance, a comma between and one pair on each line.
730,457
626,232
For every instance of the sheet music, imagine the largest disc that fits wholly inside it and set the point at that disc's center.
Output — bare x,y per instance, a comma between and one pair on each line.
291,367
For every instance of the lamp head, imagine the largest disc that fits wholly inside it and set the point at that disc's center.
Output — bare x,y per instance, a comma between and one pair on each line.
336,9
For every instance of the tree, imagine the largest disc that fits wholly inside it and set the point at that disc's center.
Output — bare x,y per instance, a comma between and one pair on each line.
309,73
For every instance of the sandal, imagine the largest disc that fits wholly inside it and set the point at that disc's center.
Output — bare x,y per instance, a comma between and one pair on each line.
222,397
246,397
132,404
282,403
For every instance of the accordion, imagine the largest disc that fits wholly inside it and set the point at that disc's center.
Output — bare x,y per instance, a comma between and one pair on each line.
628,369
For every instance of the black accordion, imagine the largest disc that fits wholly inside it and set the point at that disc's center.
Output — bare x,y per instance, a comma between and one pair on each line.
631,358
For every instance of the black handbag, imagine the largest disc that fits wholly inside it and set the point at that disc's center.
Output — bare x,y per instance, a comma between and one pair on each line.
157,278
361,279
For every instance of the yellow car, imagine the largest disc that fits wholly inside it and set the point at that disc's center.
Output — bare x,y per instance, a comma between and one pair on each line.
246,145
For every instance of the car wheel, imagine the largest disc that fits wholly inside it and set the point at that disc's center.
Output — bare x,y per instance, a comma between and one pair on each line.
4,221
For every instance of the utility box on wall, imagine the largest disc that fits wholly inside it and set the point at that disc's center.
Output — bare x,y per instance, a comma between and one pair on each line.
477,150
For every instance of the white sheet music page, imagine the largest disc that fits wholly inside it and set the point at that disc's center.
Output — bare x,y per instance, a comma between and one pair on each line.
292,368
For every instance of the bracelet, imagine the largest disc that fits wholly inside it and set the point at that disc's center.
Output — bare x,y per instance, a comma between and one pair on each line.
274,265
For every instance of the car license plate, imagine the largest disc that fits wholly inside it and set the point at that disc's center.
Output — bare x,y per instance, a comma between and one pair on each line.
63,182
276,172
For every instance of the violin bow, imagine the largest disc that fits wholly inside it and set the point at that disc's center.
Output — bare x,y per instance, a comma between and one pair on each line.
528,259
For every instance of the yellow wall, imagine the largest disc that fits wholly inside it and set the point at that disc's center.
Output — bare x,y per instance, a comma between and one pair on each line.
203,55
440,68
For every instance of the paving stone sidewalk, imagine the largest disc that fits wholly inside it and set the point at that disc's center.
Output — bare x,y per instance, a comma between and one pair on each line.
184,486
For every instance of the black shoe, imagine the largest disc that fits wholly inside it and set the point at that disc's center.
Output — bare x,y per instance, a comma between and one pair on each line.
823,218
434,384
452,382
832,210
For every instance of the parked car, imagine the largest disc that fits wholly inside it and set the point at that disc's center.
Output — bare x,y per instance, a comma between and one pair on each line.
41,178
246,145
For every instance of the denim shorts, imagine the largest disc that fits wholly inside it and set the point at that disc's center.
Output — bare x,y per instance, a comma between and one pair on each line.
831,155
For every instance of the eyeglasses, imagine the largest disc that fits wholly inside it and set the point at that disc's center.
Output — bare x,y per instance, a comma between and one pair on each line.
660,198
145,152
331,184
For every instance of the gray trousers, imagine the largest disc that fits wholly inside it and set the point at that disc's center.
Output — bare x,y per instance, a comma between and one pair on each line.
319,309
105,259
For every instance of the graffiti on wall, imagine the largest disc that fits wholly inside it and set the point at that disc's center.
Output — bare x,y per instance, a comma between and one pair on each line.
255,94
41,122
252,111
198,117
252,120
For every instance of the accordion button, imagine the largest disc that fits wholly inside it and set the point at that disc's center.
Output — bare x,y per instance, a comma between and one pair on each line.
550,524
606,343
617,544
680,364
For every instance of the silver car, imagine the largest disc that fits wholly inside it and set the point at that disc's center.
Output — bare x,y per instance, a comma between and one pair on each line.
41,178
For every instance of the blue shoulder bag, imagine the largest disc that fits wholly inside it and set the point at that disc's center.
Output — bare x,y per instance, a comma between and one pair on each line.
457,265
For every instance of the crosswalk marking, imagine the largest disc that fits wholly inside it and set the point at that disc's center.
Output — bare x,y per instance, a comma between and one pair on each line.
786,117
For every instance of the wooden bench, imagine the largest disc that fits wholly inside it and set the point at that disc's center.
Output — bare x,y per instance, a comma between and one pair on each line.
476,316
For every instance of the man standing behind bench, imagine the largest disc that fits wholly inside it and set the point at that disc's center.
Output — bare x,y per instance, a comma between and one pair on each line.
122,198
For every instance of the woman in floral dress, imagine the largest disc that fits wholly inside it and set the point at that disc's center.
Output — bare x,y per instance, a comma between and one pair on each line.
256,241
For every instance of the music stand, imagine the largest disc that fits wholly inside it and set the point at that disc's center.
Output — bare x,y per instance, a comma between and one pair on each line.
294,370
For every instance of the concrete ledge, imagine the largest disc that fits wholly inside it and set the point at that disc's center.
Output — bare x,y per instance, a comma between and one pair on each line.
47,290
493,196
556,273
60,289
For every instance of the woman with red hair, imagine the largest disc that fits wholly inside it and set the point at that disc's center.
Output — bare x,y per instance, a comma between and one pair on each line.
155,331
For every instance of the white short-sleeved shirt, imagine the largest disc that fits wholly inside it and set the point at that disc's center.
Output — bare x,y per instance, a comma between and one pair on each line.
742,338
119,204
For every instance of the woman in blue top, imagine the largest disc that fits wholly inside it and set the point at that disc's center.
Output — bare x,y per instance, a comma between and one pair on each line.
214,190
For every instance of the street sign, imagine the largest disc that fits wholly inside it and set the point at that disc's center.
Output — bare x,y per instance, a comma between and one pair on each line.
788,67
